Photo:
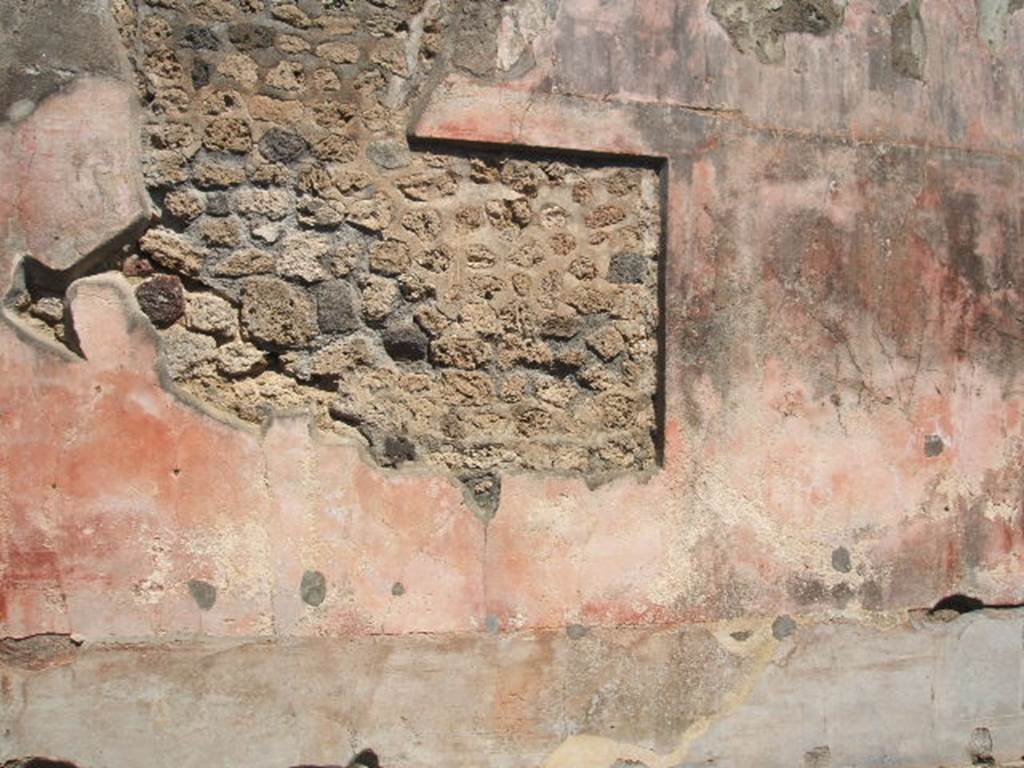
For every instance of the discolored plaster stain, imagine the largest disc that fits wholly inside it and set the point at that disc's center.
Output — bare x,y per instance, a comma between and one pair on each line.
980,746
962,211
841,559
35,63
313,588
993,21
909,47
783,627
819,757
203,592
933,446
483,493
872,598
807,590
841,594
38,651
476,39
760,26
577,631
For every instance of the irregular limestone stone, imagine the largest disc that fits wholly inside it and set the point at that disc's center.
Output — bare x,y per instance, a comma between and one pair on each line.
207,313
373,214
217,204
197,36
246,36
461,349
302,257
211,175
607,343
380,297
244,262
221,232
426,186
184,204
425,223
171,251
389,257
287,76
339,53
388,154
274,204
238,358
347,354
49,309
277,314
183,350
605,216
228,134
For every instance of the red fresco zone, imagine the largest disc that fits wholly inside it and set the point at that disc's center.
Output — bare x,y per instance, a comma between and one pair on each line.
808,355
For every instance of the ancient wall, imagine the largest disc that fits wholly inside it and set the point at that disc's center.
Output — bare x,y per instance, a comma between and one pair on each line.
539,382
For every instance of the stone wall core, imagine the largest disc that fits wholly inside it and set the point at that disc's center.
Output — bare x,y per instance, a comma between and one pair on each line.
479,311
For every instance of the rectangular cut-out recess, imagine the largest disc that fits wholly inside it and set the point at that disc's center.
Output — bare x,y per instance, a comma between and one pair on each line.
564,249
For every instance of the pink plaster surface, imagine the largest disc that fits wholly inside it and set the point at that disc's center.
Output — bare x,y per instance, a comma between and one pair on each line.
115,494
675,54
68,174
820,325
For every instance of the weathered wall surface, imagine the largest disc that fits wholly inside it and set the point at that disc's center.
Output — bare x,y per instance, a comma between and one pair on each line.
565,383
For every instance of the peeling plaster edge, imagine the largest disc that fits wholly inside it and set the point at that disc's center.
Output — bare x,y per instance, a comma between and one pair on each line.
138,323
706,114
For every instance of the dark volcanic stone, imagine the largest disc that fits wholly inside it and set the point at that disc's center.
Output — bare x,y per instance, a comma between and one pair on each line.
137,266
281,146
627,268
201,73
558,327
217,204
337,307
162,299
196,36
398,449
405,342
245,36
